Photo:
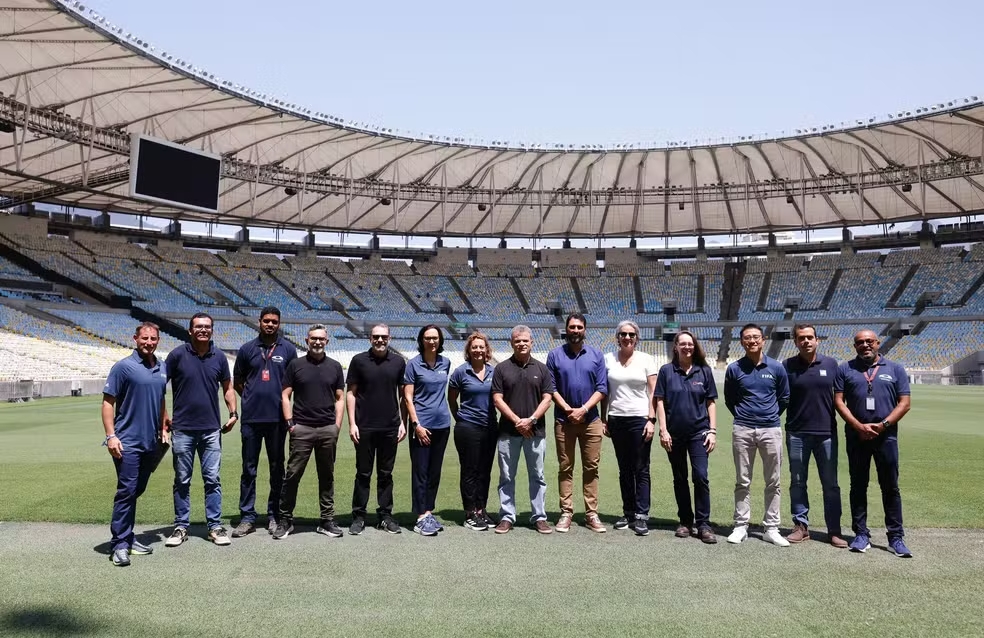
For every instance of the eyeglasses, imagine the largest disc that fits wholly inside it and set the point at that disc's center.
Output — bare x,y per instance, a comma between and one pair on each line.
380,337
201,328
865,342
751,338
318,339
627,335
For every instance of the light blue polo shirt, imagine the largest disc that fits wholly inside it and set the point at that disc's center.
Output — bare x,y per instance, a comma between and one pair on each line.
139,390
474,396
429,391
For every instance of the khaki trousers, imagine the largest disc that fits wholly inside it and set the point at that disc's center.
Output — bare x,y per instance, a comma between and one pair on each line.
589,437
768,443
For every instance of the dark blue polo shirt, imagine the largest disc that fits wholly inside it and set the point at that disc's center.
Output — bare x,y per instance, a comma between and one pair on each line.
430,385
577,377
261,399
139,390
685,398
811,396
890,381
756,395
474,396
195,383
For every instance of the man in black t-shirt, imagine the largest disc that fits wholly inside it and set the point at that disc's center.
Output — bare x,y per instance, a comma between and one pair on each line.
317,385
375,426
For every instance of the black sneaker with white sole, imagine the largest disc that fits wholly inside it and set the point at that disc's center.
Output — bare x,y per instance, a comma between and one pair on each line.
329,528
389,526
358,526
284,528
621,523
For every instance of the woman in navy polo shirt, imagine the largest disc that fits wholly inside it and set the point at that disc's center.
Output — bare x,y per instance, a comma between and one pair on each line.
424,385
475,430
685,394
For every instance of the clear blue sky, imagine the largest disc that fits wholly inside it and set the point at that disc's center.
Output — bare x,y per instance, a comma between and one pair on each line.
579,72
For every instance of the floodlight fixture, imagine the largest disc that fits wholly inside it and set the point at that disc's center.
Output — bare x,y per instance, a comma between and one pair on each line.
906,188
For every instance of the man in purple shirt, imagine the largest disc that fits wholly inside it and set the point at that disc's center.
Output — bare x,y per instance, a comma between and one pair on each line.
581,380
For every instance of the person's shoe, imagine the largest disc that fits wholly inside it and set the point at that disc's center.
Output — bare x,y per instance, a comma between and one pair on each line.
329,528
244,528
706,535
140,549
682,531
284,528
358,526
178,536
542,527
594,523
426,526
621,523
271,525
837,541
489,521
219,536
739,534
641,527
773,536
564,523
475,521
120,557
897,545
504,526
799,534
437,521
388,525
861,543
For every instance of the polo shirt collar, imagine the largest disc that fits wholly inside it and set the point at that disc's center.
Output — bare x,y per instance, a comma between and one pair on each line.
677,368
386,357
259,342
488,368
521,365
570,353
135,355
209,353
761,364
879,361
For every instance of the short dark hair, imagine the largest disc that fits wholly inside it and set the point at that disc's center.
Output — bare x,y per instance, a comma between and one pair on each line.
200,315
440,338
147,325
269,310
751,326
804,326
575,315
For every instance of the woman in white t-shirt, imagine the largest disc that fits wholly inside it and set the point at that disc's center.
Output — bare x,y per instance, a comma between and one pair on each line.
630,420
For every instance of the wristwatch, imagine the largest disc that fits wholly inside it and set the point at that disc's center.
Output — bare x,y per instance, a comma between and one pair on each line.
886,423
653,420
233,415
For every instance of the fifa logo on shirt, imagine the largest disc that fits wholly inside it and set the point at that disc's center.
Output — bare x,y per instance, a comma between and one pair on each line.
767,376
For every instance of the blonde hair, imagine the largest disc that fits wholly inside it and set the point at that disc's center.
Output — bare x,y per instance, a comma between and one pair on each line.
475,336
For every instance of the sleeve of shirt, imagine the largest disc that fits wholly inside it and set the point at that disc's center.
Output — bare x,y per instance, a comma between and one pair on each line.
601,375
661,384
223,368
291,353
710,387
171,364
454,381
548,386
839,377
289,375
552,368
901,381
239,369
651,368
496,380
730,389
114,382
339,385
782,388
409,375
354,377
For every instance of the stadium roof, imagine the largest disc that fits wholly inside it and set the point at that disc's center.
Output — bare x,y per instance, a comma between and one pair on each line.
74,86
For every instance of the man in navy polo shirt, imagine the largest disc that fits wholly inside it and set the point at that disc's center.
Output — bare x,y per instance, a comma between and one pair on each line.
871,394
811,429
580,377
133,414
258,378
196,371
756,392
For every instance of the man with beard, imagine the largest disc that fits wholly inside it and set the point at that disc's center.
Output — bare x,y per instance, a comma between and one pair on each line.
258,378
580,377
871,394
375,426
317,384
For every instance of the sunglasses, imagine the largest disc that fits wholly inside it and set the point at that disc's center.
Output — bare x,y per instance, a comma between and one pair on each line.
627,335
864,342
380,337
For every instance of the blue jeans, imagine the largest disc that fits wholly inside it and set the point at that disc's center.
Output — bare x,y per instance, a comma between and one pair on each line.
132,473
534,449
824,448
255,435
884,449
208,445
633,455
693,446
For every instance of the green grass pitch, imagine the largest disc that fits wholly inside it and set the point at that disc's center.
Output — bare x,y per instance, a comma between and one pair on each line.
56,485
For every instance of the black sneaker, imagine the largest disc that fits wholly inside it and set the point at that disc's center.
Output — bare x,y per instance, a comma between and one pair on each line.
389,526
489,521
271,525
244,528
284,528
120,557
621,523
476,522
640,527
329,528
140,549
358,526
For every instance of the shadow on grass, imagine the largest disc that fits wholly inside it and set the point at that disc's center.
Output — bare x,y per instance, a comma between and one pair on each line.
153,538
49,621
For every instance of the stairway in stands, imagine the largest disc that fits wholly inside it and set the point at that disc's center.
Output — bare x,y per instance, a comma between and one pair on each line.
734,278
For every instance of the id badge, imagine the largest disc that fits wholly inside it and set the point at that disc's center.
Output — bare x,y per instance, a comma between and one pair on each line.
869,403
265,375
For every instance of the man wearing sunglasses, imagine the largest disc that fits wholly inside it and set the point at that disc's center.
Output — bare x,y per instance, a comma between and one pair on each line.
871,394
375,426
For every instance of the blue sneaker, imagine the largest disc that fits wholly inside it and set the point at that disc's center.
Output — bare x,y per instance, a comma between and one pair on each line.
425,527
861,543
897,546
440,525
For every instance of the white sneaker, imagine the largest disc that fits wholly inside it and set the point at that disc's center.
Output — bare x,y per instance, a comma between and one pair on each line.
773,536
739,534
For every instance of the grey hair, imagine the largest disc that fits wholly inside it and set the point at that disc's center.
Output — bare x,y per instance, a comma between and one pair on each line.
520,329
379,325
318,326
628,322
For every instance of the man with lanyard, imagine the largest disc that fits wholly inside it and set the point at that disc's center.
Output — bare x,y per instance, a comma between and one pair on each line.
871,394
375,426
811,429
258,378
133,415
317,384
580,377
196,371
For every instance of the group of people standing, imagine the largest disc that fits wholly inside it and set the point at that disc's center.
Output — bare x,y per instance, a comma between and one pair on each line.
295,405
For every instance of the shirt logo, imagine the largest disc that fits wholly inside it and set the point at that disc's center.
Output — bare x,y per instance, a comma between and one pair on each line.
886,377
823,373
766,375
697,383
277,358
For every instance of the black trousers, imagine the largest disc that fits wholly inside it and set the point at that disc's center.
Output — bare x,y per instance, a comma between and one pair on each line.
476,453
426,462
377,446
255,436
304,440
